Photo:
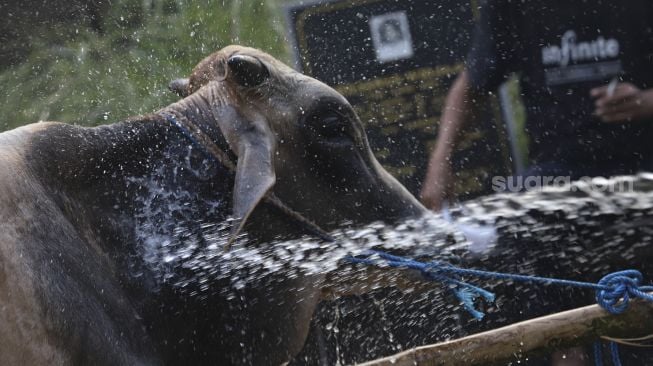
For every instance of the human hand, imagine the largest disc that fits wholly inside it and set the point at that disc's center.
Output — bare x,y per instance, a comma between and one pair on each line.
626,103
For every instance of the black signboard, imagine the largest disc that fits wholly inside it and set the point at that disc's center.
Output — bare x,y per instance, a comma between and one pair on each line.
394,60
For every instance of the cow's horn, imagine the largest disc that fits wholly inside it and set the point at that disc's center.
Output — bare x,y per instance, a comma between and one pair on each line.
247,71
179,86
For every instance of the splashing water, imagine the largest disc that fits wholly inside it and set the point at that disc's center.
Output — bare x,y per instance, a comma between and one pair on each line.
579,233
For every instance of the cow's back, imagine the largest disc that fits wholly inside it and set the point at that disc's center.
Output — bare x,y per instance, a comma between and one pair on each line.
24,337
60,302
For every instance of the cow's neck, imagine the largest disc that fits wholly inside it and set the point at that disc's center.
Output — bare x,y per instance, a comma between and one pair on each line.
71,157
116,182
197,111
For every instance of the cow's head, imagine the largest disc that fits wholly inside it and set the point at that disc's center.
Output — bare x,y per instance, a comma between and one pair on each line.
297,137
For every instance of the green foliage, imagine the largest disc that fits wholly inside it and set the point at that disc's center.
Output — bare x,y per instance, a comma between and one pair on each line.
76,74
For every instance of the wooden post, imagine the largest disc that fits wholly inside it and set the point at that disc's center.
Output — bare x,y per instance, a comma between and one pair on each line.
544,334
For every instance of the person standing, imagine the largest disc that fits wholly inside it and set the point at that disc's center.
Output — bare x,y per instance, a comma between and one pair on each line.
586,77
586,73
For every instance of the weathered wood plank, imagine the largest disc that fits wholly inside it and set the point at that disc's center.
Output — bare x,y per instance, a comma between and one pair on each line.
544,334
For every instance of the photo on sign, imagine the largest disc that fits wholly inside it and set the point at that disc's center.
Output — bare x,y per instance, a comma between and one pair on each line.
391,36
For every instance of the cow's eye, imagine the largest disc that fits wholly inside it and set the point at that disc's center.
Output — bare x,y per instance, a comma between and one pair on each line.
331,125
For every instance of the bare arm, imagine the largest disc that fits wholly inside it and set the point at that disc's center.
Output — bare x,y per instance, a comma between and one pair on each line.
459,107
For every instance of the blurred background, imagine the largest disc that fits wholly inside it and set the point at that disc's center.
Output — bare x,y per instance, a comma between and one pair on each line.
91,61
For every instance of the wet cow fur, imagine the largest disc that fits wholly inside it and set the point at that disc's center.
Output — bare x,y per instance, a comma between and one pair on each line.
75,287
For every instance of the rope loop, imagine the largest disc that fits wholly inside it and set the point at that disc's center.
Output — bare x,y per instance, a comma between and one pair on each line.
618,288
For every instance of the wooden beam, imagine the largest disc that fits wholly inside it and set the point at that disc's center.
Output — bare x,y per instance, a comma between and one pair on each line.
539,335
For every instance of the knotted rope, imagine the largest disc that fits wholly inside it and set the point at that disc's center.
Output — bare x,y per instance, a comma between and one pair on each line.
613,292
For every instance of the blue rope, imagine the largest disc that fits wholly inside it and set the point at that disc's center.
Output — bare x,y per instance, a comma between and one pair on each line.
598,354
189,135
613,292
614,353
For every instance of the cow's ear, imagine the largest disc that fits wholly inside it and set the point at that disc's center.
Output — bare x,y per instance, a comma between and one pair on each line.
180,87
247,71
254,144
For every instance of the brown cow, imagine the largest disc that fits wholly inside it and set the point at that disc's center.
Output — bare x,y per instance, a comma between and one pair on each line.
80,207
